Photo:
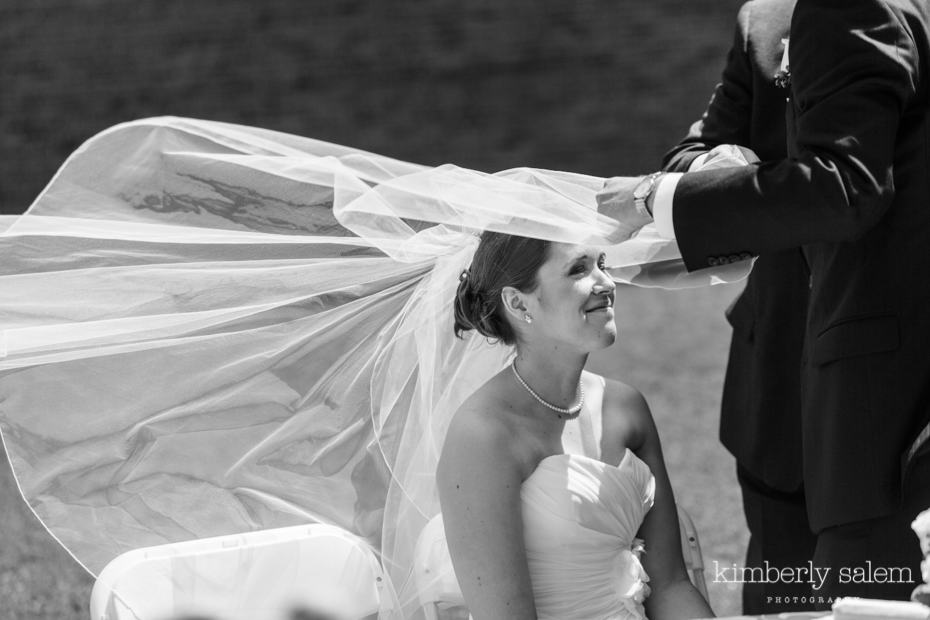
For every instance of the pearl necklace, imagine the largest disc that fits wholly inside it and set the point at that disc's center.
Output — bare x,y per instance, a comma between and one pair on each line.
569,413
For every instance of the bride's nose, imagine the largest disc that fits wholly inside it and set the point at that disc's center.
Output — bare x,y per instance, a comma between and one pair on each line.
604,285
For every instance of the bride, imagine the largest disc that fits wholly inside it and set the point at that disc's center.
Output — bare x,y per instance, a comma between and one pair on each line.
210,329
544,477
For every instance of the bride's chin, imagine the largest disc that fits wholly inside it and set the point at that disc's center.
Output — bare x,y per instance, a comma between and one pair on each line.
606,338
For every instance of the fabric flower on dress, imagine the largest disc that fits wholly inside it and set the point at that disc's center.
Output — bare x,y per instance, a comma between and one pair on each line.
631,576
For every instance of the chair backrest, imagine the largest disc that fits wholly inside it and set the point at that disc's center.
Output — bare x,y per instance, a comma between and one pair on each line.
439,591
691,552
267,575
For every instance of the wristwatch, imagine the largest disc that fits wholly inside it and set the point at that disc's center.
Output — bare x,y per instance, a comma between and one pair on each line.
642,192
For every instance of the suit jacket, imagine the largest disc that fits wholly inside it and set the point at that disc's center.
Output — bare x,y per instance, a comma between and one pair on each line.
760,415
854,192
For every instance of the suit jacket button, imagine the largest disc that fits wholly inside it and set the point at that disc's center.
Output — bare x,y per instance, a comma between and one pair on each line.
733,258
712,261
745,256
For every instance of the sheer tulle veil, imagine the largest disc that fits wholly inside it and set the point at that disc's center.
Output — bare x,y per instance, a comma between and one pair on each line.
210,328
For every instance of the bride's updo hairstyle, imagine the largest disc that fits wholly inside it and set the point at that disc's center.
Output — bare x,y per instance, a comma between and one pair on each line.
500,260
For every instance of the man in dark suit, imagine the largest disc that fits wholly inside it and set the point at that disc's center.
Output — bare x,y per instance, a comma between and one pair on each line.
760,417
854,192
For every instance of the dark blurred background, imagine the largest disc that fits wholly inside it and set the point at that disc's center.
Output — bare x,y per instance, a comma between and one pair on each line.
585,85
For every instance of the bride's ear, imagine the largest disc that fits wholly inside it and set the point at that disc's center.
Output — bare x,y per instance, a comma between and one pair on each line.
514,303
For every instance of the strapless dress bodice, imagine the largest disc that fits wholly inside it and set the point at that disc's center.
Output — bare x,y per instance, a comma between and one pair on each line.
580,518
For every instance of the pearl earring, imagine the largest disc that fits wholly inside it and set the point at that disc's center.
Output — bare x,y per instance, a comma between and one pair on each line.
527,318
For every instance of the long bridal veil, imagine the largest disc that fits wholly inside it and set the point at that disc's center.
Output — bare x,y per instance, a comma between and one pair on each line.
210,329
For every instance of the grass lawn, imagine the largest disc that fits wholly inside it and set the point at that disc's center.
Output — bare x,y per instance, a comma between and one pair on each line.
38,579
672,347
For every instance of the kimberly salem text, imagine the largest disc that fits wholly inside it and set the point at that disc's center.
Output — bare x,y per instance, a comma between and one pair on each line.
816,576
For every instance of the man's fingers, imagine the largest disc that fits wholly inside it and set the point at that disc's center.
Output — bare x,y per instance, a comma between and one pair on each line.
618,235
616,189
620,184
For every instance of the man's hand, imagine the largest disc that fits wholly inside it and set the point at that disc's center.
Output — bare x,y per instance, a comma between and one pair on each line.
615,200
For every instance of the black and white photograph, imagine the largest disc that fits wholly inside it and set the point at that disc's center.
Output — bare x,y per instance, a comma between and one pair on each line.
410,310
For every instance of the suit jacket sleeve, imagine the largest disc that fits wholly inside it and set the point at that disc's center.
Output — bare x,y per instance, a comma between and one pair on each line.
727,117
853,71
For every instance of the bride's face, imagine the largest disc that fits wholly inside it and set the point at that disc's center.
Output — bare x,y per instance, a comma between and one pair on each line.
573,301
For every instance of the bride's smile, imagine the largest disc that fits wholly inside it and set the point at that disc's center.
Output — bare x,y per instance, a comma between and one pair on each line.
573,302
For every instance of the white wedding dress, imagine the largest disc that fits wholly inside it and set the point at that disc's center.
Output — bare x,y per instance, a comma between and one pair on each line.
580,518
208,329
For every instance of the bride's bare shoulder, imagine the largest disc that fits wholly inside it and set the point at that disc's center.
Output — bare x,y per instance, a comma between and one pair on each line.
625,415
481,429
480,417
616,394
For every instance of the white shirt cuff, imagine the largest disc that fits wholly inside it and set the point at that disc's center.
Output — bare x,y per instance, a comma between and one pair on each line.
697,162
662,205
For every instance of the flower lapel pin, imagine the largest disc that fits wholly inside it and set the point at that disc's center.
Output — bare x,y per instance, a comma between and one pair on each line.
783,75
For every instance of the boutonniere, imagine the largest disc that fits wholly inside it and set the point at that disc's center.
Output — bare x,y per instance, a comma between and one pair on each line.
783,75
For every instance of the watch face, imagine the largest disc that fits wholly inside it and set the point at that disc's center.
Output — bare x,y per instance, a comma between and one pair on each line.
642,190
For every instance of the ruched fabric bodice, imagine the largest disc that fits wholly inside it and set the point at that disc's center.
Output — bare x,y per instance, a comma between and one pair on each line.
580,518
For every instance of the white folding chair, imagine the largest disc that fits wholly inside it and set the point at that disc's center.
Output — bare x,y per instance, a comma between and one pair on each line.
691,551
267,575
437,588
441,598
